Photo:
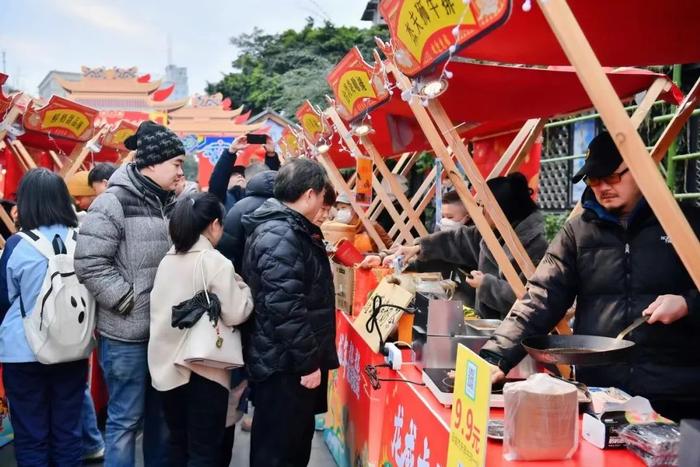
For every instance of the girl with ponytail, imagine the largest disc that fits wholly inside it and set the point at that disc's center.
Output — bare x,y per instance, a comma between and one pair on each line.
195,397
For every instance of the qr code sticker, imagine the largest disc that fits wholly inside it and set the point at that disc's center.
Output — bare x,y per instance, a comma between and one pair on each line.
470,389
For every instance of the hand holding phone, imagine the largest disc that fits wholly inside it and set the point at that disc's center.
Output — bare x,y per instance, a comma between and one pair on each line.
256,139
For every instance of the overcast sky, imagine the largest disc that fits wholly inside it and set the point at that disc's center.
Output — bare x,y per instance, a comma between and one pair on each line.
42,35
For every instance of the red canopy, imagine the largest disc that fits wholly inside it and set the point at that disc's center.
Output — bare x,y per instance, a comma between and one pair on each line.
484,100
621,32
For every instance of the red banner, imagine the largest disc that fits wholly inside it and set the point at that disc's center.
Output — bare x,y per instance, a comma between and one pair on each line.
423,30
356,85
311,122
62,117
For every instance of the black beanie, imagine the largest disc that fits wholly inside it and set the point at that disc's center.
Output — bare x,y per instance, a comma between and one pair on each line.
154,144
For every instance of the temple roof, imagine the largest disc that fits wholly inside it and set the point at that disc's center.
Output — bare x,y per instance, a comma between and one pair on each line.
108,86
204,113
212,127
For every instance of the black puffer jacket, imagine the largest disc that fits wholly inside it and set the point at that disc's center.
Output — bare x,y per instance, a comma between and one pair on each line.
614,273
260,189
292,329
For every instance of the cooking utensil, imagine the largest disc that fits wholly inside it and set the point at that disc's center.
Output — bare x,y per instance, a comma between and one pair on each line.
635,324
581,349
577,349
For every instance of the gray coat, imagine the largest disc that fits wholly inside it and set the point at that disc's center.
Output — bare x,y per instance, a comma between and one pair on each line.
121,242
465,247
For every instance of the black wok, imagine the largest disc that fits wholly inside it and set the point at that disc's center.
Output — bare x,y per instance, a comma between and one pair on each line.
577,349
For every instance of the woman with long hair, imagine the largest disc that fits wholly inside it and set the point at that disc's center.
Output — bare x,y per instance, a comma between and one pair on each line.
195,396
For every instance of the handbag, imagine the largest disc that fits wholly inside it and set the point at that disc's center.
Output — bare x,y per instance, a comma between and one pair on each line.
209,342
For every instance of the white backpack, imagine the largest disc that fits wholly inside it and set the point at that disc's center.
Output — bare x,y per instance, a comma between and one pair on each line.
60,327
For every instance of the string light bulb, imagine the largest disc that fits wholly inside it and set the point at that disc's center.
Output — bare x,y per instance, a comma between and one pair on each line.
361,130
434,88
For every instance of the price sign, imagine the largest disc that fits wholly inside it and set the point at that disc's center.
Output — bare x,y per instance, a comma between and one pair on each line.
363,186
311,122
470,410
424,30
357,86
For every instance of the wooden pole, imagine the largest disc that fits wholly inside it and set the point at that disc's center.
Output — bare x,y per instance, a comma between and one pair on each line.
475,211
340,185
376,208
520,138
526,147
483,192
427,188
56,159
674,127
8,121
378,188
413,219
23,155
642,167
80,153
642,110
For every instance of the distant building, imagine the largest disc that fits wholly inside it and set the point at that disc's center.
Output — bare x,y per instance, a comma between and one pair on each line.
372,14
177,75
50,85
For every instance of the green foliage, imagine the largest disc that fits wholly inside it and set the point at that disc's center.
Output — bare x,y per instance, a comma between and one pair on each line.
279,71
553,223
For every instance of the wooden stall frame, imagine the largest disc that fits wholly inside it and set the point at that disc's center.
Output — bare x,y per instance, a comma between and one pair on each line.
80,152
642,167
376,184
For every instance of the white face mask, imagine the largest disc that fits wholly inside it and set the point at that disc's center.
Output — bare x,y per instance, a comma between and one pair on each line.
344,216
449,224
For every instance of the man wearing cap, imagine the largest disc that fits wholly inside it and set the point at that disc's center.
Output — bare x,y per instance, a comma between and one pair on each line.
122,240
617,263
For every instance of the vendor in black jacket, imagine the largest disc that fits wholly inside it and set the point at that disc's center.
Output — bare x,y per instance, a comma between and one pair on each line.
292,341
617,263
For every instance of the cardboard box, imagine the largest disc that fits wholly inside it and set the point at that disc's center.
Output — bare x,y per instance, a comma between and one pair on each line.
344,281
603,431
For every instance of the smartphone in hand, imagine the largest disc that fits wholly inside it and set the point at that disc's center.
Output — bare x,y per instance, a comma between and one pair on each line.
256,139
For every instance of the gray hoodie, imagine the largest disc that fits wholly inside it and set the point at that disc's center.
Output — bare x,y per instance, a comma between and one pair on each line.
122,240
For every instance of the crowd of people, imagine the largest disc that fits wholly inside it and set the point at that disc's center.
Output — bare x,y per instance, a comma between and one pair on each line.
248,259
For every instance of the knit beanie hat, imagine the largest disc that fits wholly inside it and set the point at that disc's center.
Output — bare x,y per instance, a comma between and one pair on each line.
154,144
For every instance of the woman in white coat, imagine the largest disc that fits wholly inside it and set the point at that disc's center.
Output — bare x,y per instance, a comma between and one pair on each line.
195,397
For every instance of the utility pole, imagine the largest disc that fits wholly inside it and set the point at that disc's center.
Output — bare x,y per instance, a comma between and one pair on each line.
4,63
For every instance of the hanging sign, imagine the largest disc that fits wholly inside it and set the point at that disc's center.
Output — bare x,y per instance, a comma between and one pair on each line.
62,117
470,410
290,141
363,185
357,86
422,31
311,122
115,138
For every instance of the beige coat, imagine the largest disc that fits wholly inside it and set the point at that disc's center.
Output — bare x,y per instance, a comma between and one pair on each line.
177,281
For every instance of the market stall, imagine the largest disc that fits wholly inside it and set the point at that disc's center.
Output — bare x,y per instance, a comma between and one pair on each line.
441,101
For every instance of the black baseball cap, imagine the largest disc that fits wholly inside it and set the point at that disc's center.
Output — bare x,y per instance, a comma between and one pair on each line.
602,158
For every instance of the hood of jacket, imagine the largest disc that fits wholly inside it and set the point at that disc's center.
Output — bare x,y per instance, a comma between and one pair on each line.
262,184
271,210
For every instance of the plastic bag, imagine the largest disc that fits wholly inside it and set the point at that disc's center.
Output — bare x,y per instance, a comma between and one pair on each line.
541,419
657,444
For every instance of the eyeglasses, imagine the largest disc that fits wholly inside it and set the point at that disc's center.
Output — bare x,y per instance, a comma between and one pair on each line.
612,179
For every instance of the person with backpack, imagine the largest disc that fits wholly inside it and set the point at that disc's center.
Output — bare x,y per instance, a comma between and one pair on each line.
47,325
122,240
195,396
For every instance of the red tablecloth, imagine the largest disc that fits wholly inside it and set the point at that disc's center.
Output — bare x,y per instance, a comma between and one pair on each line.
403,423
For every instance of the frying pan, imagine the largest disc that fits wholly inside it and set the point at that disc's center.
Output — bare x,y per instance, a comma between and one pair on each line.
581,349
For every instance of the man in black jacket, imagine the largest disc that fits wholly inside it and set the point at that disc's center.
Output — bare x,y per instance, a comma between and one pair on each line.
291,340
259,189
617,262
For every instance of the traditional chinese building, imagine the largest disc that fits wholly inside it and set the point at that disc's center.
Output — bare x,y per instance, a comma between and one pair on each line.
120,94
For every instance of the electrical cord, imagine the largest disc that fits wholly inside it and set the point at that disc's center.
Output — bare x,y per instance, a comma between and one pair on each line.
374,379
373,324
